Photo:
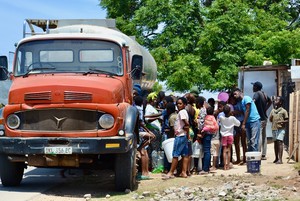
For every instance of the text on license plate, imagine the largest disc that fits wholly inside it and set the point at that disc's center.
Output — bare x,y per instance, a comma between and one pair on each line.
58,150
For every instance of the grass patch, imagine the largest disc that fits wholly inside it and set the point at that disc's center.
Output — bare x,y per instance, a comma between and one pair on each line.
277,186
297,166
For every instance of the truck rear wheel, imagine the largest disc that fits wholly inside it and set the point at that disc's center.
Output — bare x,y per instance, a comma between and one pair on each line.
11,173
125,170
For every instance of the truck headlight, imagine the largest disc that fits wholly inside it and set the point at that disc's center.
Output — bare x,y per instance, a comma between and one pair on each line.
106,121
13,121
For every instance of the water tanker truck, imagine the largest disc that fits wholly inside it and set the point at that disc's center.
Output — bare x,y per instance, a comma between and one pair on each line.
70,102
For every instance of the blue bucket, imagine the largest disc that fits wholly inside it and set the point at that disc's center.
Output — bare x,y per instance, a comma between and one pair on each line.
253,166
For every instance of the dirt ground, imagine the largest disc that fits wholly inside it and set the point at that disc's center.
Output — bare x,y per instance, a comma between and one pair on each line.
100,186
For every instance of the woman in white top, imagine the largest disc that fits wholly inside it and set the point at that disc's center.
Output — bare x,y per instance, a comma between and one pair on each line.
227,124
152,116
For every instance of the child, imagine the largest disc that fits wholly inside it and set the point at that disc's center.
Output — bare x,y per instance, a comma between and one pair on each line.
227,124
278,117
200,123
209,129
215,141
181,129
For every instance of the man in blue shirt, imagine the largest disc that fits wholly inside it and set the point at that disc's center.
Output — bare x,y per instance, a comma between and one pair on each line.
251,121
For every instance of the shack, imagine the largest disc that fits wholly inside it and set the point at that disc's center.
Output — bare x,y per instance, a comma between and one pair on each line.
277,81
294,117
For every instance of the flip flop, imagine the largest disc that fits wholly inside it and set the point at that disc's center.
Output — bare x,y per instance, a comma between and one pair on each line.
212,170
242,163
203,173
143,177
168,177
181,176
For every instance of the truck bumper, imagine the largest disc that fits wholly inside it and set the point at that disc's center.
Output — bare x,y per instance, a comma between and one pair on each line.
37,145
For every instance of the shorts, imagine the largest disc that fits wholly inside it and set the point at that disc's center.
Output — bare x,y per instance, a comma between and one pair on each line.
215,147
227,140
278,134
180,147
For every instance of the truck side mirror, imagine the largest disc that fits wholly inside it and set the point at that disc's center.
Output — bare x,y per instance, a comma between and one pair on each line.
3,68
137,67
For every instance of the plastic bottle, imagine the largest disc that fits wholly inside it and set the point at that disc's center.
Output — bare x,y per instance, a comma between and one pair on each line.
154,159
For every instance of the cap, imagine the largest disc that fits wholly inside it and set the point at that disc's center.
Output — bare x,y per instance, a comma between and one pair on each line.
138,89
257,84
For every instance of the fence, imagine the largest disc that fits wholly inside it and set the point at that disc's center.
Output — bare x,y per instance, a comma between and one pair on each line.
294,126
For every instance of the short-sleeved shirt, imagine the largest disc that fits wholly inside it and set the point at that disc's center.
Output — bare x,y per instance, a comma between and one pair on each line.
279,114
253,114
261,101
179,123
172,119
227,125
210,124
201,118
150,110
238,107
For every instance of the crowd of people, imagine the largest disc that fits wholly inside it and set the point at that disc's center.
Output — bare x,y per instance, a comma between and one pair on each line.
205,130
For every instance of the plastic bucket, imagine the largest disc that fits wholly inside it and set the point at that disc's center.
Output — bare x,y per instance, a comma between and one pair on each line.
253,161
167,146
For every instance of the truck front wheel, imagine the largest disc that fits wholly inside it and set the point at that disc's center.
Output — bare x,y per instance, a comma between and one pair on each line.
11,173
125,170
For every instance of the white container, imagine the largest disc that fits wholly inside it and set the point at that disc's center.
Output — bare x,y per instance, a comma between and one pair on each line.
253,156
167,146
253,161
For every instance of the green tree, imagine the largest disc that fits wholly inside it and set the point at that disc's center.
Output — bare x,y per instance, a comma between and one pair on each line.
202,43
157,87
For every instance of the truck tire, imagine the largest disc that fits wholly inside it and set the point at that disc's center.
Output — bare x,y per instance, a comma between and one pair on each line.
125,170
11,173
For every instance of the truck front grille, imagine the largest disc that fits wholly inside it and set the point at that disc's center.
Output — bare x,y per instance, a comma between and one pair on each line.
59,120
45,95
68,96
78,96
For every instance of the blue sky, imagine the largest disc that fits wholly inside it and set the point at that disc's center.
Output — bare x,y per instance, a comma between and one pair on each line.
14,12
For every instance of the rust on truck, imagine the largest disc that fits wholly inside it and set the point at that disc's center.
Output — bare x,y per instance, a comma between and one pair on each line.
70,102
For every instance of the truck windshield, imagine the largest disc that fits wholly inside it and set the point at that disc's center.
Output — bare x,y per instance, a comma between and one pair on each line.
63,56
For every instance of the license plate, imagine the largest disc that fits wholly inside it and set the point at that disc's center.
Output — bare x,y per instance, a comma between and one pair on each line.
58,150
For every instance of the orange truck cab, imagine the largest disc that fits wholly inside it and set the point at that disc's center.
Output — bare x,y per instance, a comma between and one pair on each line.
70,102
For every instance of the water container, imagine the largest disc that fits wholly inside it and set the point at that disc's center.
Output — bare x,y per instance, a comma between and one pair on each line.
167,145
160,160
253,161
154,158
